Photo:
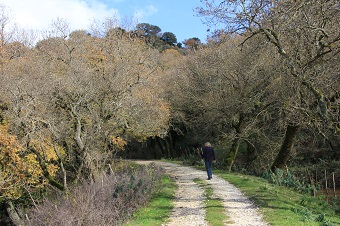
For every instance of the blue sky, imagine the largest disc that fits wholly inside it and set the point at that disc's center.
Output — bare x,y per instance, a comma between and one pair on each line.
176,16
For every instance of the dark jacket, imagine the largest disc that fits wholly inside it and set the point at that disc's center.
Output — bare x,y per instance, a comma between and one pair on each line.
208,154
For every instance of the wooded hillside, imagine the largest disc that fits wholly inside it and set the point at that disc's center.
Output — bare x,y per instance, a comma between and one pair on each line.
265,91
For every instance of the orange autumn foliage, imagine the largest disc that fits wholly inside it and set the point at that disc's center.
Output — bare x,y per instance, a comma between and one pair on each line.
20,170
119,142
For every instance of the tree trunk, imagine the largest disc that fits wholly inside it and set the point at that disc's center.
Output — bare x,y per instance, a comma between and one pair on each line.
62,168
13,214
79,141
251,152
171,146
167,148
43,166
160,145
233,153
236,123
286,148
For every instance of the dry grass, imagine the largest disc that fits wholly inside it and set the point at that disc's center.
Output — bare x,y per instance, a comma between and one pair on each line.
107,202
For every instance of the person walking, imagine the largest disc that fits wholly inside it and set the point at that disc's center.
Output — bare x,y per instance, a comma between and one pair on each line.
208,155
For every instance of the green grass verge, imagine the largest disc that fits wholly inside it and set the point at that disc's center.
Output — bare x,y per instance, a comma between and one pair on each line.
283,206
215,212
279,205
158,209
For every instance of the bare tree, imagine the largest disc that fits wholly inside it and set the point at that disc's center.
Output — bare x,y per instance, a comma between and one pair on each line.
305,34
227,92
74,100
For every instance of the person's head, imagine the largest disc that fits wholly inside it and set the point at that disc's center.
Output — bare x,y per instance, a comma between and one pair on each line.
207,144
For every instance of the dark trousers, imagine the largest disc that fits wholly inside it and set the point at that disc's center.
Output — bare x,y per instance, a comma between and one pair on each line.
208,167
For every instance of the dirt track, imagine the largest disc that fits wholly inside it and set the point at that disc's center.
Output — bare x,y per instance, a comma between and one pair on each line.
189,205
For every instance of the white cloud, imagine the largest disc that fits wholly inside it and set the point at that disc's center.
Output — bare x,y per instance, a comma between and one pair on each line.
147,11
39,14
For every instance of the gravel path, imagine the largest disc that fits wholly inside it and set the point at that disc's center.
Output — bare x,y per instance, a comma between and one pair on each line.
189,202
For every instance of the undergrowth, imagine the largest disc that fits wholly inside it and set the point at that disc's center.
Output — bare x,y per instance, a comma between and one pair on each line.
108,201
287,179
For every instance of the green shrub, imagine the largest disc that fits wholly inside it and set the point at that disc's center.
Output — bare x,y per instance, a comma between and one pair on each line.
192,159
287,179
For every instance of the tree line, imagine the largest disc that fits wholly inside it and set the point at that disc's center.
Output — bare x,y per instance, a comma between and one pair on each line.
264,90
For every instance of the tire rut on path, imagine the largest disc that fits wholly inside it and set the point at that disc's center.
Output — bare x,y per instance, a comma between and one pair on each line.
189,198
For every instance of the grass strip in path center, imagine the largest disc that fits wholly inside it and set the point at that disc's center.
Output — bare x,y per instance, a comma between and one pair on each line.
215,212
